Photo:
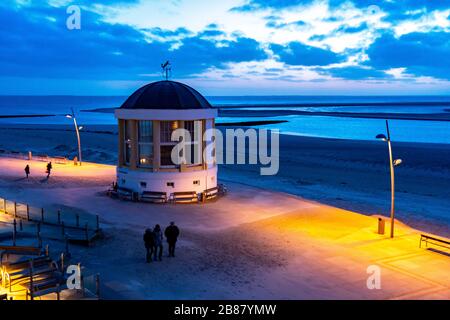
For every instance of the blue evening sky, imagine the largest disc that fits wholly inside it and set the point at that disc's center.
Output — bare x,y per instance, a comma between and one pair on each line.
227,47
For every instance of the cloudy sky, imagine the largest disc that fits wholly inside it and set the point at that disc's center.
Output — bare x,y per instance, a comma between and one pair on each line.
227,47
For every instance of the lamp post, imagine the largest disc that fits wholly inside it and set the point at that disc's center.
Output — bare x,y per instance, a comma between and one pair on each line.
77,130
392,164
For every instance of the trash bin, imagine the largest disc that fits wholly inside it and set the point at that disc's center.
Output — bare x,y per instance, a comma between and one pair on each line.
380,226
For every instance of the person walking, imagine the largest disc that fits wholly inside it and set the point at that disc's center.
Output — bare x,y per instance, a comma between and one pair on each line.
27,170
172,232
158,239
149,244
49,169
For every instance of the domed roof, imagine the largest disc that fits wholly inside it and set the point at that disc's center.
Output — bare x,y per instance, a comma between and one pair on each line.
166,95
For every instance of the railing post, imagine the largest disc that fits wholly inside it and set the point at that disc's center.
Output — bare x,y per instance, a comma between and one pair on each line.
28,212
20,225
39,240
59,216
15,209
4,205
98,222
42,214
47,251
62,262
97,285
14,233
81,279
31,280
67,246
77,218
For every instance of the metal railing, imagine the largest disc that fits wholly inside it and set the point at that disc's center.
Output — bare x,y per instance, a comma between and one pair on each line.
30,156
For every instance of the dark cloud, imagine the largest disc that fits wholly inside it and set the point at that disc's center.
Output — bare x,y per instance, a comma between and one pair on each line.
422,54
297,53
37,43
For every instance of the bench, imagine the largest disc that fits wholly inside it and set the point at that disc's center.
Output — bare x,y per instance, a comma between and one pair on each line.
185,197
124,193
22,272
153,196
222,189
211,193
433,240
19,250
60,160
43,287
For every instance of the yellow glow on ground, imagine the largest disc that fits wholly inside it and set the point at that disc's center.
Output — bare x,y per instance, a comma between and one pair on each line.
329,248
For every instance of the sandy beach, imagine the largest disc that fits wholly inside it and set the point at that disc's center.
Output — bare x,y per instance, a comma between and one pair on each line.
352,175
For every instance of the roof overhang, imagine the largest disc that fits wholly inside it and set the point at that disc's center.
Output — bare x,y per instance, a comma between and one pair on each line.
165,114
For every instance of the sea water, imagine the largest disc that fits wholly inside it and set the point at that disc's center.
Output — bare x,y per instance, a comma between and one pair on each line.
423,131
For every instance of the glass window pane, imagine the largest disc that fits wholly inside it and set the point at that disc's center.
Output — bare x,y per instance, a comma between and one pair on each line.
145,155
166,128
146,131
166,156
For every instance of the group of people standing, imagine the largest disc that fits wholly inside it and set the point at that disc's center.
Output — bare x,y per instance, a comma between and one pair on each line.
153,241
49,170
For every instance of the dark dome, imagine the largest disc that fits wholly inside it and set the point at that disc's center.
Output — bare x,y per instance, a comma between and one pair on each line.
166,95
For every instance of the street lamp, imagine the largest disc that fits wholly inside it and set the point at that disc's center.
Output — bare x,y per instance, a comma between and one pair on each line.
392,164
77,130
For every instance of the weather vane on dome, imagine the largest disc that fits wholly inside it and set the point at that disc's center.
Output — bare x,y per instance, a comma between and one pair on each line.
166,69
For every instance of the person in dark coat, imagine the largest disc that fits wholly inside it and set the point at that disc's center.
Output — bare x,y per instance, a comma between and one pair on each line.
149,244
49,169
27,170
172,232
158,239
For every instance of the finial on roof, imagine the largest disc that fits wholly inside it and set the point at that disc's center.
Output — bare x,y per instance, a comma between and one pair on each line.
166,69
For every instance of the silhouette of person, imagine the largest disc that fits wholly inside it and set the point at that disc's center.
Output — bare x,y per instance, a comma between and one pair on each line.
49,169
158,238
27,170
149,244
172,232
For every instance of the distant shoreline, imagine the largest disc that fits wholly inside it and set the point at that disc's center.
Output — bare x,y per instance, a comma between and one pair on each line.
231,112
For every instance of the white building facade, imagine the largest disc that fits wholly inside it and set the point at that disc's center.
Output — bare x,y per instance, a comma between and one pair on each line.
146,122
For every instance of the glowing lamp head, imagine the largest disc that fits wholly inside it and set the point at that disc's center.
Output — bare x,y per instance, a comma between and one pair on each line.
397,162
68,116
381,137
